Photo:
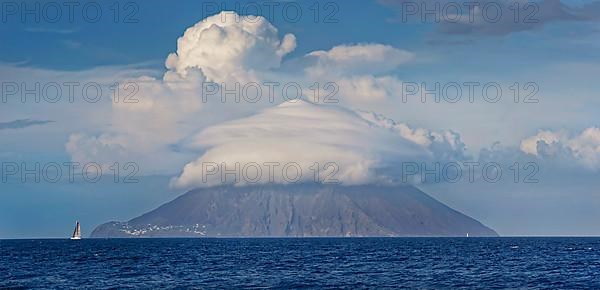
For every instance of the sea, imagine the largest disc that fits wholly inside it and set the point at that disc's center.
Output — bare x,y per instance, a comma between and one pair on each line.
423,263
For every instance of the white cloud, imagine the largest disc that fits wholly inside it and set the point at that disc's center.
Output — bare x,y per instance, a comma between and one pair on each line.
365,150
368,88
586,147
228,46
357,59
147,124
583,148
444,146
362,71
530,144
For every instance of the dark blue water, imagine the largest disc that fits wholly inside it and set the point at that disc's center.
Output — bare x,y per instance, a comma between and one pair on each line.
289,263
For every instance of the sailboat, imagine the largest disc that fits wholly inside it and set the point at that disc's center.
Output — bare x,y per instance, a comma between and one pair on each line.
76,232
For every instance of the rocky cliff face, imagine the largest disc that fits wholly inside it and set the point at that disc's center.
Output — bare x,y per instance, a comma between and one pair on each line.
299,211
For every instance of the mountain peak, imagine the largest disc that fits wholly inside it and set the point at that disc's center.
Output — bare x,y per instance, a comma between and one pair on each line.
299,210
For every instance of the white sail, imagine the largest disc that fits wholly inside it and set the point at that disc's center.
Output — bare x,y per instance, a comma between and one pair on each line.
76,232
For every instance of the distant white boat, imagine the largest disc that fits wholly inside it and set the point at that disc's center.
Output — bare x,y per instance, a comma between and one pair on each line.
76,232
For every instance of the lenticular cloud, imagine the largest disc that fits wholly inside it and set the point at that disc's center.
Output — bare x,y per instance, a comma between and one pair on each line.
362,150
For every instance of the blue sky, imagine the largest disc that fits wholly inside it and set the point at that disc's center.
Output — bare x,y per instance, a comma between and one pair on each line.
559,54
152,37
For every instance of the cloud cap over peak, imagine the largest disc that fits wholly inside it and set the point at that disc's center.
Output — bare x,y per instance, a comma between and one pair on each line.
304,133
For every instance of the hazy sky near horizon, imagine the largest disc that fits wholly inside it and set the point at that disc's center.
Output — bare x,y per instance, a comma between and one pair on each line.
512,88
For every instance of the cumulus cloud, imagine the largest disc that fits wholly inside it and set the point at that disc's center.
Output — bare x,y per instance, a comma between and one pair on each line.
365,148
583,148
445,146
530,145
586,147
228,45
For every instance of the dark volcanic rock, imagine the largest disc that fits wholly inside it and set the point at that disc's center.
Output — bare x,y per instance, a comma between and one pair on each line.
299,211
